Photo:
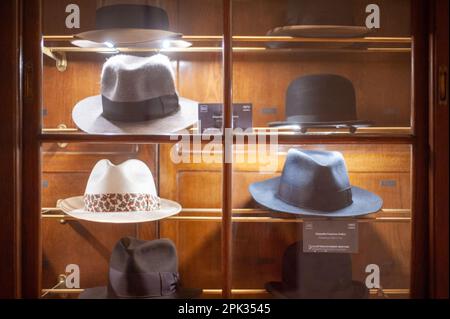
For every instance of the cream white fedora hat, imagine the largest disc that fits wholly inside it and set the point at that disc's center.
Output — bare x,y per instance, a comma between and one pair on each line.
120,194
138,96
127,23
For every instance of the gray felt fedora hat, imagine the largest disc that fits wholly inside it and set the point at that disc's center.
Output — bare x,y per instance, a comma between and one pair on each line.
141,269
321,100
316,276
138,96
315,183
320,18
127,23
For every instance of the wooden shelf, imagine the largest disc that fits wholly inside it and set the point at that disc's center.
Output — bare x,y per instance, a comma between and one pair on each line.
283,139
218,38
241,44
378,135
242,292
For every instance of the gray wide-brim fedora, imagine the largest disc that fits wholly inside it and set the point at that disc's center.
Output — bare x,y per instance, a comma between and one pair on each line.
364,202
315,183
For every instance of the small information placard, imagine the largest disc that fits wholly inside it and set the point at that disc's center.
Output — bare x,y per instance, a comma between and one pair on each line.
211,116
330,236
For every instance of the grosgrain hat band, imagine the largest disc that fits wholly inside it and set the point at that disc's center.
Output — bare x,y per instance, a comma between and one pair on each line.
131,16
142,285
147,110
321,201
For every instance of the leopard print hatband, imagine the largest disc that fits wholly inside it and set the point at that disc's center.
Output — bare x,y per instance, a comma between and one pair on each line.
108,203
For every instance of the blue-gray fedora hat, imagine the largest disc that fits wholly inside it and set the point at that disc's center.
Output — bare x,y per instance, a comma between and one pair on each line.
315,183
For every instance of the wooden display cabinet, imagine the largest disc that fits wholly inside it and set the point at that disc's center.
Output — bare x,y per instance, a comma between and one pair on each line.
227,245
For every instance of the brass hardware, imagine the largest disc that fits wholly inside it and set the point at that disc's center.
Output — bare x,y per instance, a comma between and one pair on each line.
443,85
60,130
60,58
213,38
245,216
62,127
374,292
60,286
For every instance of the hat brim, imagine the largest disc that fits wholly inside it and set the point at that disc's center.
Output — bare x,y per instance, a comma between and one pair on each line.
88,117
364,202
356,123
356,291
320,31
102,293
74,207
126,36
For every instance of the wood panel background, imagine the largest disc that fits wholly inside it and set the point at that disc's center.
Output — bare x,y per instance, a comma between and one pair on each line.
382,83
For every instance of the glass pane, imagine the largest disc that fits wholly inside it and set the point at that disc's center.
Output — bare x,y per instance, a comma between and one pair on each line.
91,85
131,67
324,66
83,187
295,236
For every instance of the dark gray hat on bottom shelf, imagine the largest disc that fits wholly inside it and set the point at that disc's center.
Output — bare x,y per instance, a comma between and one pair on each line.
143,270
315,183
316,276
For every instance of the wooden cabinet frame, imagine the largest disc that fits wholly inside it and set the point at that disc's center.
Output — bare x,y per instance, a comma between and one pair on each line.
29,223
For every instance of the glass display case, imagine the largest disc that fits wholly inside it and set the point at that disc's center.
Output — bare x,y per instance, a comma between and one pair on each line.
266,148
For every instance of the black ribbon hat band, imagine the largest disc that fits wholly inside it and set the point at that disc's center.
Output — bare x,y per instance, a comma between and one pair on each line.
316,200
142,285
147,110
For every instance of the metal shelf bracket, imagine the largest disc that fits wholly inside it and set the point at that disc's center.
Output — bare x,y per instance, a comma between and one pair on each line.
60,58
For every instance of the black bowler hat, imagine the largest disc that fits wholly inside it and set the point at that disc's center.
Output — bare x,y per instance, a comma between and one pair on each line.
315,183
316,276
321,100
127,23
320,18
143,270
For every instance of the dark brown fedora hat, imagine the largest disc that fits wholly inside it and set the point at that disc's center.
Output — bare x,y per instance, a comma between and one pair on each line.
141,269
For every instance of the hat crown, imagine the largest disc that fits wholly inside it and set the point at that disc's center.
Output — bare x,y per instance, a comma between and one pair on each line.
130,177
135,14
315,180
143,269
320,170
315,274
135,256
320,12
128,78
321,98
